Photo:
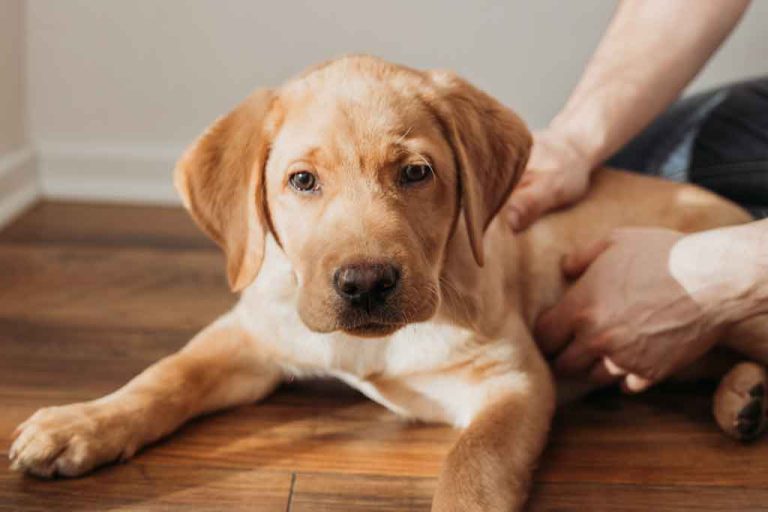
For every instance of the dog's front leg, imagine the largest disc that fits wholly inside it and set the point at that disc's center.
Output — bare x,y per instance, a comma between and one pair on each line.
489,468
221,367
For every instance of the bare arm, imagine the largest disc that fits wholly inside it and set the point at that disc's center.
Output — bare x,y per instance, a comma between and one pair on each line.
727,267
651,50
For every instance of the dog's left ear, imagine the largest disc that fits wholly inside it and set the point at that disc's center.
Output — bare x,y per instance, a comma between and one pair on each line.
490,144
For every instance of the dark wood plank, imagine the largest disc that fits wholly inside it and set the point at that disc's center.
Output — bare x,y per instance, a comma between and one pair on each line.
547,497
106,224
664,437
331,492
101,287
149,487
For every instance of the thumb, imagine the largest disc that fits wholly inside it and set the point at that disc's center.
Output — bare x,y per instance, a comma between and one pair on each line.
577,262
526,205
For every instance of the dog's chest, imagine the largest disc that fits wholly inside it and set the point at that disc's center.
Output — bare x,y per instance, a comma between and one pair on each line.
414,349
409,372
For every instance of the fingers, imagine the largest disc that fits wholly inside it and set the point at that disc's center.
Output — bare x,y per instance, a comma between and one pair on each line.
600,375
576,359
633,383
526,204
555,327
613,368
577,262
604,372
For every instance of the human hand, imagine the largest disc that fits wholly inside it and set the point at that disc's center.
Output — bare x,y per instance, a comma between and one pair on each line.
557,175
644,306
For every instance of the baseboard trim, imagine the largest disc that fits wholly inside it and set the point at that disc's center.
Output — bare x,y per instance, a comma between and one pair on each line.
135,174
18,183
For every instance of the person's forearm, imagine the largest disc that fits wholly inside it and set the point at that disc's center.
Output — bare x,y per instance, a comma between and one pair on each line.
649,53
725,269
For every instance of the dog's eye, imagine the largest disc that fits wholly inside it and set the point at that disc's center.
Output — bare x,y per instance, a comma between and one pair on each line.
413,173
303,181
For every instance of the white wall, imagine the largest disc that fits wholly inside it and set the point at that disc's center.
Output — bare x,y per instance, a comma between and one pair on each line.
117,88
17,179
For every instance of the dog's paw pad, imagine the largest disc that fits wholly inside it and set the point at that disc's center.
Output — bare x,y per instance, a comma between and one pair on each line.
740,402
750,421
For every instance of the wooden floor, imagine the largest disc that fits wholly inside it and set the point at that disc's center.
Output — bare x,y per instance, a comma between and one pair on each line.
91,294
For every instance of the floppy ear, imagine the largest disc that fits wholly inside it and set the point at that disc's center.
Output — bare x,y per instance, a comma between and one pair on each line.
220,179
490,144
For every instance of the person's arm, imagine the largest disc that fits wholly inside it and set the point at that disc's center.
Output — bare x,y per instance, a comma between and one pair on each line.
648,302
649,53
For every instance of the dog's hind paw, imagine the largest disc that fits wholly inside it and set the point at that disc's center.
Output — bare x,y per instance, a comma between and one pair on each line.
740,402
750,420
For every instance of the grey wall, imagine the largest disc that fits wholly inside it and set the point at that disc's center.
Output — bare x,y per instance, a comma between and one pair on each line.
12,91
155,72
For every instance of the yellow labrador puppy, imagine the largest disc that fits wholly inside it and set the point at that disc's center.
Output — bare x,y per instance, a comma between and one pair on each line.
356,208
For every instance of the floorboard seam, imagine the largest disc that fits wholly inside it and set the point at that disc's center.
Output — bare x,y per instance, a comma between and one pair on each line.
290,492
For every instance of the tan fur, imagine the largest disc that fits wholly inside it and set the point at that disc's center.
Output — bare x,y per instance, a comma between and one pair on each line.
739,404
454,344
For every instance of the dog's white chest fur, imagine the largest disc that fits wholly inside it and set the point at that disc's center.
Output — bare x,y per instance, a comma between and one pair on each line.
412,372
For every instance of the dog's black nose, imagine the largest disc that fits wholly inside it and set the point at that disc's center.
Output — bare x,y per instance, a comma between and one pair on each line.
366,283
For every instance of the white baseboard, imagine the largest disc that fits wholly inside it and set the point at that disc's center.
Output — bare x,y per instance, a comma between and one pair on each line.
136,174
18,183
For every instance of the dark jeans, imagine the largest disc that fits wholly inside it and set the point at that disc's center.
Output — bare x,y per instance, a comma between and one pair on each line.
717,139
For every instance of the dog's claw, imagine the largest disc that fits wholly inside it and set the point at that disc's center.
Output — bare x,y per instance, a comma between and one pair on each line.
751,420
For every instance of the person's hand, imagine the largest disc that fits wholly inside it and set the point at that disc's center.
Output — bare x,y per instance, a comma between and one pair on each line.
556,176
639,310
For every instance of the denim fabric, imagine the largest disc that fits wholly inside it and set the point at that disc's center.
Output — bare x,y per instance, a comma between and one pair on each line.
717,139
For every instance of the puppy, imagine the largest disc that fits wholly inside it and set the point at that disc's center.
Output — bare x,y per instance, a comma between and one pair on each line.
356,206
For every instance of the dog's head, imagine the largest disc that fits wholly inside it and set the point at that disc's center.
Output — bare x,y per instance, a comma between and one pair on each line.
360,169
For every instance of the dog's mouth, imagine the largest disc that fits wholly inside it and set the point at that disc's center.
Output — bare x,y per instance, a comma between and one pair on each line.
376,323
372,329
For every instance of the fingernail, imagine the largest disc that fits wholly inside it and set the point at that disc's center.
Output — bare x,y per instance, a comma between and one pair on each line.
636,384
613,368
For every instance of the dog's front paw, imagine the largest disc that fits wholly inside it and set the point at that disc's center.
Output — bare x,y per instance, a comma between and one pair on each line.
69,440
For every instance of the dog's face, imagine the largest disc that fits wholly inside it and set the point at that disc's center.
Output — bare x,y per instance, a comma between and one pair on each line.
362,193
360,169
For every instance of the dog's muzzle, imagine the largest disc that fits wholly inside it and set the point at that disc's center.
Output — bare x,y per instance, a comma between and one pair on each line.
366,291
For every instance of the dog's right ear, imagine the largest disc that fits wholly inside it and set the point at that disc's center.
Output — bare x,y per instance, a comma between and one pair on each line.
220,180
491,145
